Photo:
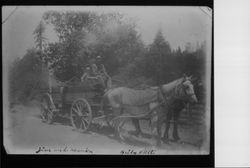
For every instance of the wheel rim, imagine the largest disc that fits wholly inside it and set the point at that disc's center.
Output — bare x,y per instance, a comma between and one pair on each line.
81,115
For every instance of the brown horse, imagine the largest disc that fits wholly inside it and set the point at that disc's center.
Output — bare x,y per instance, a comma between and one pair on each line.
183,94
149,103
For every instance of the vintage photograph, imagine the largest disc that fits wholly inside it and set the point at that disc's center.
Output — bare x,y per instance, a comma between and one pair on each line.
120,80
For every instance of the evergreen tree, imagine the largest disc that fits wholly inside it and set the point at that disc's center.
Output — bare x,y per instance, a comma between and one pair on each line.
40,41
159,58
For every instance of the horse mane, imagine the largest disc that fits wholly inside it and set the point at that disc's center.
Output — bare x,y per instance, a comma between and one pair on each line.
170,86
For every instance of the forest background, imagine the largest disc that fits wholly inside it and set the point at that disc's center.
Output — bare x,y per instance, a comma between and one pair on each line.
83,36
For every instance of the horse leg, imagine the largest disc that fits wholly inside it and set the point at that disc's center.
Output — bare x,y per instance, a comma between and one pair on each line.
158,137
161,119
114,122
118,124
155,129
167,122
119,130
136,123
175,130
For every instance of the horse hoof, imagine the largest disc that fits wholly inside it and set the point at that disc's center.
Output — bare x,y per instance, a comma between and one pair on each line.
158,144
166,141
137,134
176,139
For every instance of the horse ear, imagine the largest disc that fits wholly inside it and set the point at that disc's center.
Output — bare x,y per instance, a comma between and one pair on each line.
184,76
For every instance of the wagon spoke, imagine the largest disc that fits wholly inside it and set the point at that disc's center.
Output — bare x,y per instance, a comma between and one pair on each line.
75,110
79,123
78,109
81,106
83,124
85,121
85,115
81,114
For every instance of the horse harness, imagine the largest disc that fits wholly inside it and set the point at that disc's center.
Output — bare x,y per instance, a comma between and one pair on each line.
177,92
163,100
169,100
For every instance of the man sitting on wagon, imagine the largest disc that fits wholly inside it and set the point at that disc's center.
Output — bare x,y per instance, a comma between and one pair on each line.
101,71
97,73
91,79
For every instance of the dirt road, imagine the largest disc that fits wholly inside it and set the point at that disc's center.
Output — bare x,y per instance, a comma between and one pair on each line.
26,133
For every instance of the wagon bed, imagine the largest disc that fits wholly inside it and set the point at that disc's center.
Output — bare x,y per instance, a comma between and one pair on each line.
78,100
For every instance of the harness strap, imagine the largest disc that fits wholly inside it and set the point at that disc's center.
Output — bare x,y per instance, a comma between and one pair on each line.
177,91
139,116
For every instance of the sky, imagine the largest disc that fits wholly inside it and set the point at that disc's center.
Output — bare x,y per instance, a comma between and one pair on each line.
178,24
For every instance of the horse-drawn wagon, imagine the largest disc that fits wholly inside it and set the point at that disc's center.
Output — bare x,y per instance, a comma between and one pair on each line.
76,100
84,104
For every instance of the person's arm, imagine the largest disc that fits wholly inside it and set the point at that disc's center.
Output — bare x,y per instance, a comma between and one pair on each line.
92,77
83,76
87,76
94,69
104,70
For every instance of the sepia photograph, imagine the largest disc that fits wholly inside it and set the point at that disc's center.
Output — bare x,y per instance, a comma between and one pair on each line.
107,80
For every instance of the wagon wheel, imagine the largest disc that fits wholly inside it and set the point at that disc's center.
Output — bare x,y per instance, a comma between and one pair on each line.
46,109
81,115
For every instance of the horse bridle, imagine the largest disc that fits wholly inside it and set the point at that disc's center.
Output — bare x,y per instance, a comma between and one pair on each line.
184,90
176,92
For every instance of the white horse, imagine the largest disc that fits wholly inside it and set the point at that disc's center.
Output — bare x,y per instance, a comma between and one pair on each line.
152,103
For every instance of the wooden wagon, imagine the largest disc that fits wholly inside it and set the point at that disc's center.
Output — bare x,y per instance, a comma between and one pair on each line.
76,100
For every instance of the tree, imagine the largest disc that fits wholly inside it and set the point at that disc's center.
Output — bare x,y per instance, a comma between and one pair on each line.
25,76
39,36
65,56
84,35
40,41
160,59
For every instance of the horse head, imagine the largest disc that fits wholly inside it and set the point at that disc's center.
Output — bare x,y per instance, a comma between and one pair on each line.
188,89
